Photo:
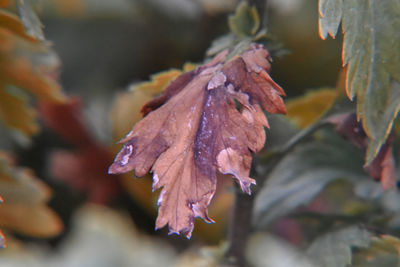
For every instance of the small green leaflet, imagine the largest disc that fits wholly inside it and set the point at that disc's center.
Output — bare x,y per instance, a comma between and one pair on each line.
371,52
245,21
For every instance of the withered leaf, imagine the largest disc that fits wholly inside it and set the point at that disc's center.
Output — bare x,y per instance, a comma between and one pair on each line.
207,120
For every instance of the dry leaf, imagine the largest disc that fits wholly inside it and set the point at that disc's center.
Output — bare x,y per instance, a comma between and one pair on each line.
206,120
126,107
125,113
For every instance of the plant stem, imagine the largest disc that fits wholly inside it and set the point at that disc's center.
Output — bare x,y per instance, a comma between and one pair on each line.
239,228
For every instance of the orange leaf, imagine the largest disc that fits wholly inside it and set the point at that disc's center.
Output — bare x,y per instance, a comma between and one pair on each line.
12,23
27,67
4,3
32,220
16,113
24,208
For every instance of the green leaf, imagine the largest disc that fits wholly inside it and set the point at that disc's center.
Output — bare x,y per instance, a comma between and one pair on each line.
371,52
383,252
330,15
334,249
245,21
303,173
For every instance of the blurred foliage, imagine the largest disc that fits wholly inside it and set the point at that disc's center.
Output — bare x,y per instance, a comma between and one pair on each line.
27,67
315,205
382,251
334,248
310,107
25,209
100,237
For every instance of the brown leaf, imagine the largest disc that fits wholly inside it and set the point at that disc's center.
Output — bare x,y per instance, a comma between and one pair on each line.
206,120
125,112
126,108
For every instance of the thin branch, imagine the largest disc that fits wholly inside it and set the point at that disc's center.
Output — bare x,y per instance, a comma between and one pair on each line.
239,229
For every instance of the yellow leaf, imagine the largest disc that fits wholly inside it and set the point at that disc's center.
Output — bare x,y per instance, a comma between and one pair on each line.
17,114
158,82
306,109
